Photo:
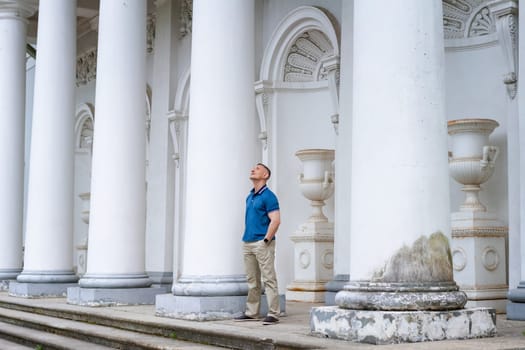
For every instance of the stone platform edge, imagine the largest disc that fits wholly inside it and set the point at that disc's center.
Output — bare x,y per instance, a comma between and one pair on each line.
392,327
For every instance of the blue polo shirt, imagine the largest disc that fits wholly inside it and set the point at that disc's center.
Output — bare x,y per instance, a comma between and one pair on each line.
256,220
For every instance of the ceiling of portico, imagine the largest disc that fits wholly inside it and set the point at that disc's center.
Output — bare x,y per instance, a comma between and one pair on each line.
87,24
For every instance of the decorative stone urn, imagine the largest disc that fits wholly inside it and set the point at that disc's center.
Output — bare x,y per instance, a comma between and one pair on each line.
478,237
317,179
314,241
83,245
472,158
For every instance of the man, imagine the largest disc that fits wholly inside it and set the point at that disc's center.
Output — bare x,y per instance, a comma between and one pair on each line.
262,220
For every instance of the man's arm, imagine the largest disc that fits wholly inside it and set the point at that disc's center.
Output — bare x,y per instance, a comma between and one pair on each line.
275,221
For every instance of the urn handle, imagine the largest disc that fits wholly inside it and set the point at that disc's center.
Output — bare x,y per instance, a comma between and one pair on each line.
490,154
328,179
300,177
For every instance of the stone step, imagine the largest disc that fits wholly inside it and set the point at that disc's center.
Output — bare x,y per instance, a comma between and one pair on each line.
223,335
7,345
18,337
34,329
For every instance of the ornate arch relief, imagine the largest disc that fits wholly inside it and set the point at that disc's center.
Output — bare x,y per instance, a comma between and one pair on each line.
186,16
305,57
84,128
303,39
303,53
86,66
178,117
467,19
476,23
150,31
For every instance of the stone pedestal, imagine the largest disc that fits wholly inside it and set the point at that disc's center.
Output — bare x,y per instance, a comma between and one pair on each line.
390,327
207,308
314,260
39,290
113,296
314,241
479,257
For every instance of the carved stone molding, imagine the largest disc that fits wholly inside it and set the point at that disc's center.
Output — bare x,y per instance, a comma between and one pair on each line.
84,128
150,31
506,17
459,259
186,15
20,9
177,127
86,67
262,101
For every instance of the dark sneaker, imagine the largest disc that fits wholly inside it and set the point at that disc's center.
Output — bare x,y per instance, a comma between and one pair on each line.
270,320
243,317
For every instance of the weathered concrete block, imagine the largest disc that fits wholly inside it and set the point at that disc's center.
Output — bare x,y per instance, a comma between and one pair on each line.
113,296
207,308
389,327
39,290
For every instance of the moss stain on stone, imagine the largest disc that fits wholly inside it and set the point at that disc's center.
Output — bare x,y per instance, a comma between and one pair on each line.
429,259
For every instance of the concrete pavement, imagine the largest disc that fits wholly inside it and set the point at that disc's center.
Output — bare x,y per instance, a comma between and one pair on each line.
293,331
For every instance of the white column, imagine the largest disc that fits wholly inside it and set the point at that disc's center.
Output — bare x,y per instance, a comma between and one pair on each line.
516,160
343,159
49,227
118,189
159,220
13,28
400,181
221,148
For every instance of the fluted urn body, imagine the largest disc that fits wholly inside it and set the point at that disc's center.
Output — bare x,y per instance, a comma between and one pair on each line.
317,179
472,158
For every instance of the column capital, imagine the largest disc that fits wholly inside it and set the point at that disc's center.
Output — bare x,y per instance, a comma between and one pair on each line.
21,8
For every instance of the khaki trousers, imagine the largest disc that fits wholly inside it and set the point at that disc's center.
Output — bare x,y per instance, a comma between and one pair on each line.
259,259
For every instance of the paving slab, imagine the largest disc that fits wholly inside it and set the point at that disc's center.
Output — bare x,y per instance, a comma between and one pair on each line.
293,330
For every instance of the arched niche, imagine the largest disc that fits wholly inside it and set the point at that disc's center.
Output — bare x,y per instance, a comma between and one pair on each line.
84,122
299,47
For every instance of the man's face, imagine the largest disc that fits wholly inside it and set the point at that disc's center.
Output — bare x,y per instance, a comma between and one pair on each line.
258,173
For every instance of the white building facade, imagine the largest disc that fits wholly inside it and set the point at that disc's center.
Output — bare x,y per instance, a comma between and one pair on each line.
129,183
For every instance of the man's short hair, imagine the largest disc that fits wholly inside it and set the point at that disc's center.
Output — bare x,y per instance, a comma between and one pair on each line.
267,169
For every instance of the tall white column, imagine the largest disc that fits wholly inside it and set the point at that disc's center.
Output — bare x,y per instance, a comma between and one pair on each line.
401,279
159,219
49,228
118,188
343,160
400,181
13,28
221,151
508,25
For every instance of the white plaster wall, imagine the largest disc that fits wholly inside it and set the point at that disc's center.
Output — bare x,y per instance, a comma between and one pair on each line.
30,86
82,182
474,89
302,121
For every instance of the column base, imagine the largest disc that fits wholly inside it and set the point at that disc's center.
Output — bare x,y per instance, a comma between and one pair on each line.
161,279
492,298
207,308
516,303
49,277
391,327
9,274
312,292
335,286
113,296
401,296
114,281
39,290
